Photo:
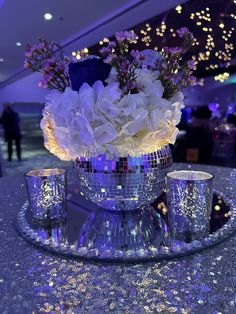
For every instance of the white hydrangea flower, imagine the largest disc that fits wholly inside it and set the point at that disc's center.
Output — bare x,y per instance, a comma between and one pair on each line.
99,119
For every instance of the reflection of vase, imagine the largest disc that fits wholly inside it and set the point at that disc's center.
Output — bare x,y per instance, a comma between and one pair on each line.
123,231
123,183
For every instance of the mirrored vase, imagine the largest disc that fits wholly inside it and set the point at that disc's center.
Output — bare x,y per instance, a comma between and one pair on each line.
123,183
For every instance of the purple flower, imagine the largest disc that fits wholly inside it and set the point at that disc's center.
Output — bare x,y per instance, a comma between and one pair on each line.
28,53
111,44
125,66
163,66
131,86
105,51
127,35
134,53
137,55
40,45
120,36
176,78
192,80
26,64
43,83
182,32
166,49
47,58
60,67
49,66
191,64
175,50
130,35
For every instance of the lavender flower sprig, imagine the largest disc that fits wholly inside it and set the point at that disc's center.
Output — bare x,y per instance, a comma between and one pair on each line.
175,73
123,60
48,59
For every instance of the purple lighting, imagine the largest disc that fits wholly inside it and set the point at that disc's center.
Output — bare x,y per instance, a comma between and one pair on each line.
214,106
231,108
1,3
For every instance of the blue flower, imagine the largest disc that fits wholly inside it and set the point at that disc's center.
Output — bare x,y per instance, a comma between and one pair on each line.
88,71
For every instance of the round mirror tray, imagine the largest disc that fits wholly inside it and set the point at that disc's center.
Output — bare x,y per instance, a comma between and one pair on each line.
91,233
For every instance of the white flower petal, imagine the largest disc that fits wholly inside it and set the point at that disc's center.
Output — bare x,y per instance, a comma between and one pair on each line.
104,134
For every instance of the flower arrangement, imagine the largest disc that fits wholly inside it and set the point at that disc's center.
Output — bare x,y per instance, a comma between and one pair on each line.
48,59
129,103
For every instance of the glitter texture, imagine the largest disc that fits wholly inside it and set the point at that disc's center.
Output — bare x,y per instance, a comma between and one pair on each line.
35,281
189,203
133,236
46,189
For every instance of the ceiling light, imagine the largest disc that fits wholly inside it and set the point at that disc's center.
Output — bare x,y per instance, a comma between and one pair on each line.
1,59
18,44
48,16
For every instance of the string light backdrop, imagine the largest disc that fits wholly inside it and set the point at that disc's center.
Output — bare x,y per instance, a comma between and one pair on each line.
213,24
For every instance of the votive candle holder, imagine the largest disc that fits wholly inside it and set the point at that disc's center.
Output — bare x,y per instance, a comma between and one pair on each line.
189,203
46,189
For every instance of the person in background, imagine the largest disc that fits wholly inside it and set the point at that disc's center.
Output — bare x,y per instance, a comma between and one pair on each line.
10,121
199,137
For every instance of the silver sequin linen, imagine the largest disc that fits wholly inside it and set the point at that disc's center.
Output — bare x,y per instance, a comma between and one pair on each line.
33,281
123,184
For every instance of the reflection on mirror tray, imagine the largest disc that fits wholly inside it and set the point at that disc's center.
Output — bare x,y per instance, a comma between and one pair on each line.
93,233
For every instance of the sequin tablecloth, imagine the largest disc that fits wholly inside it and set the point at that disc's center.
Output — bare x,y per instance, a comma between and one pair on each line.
33,281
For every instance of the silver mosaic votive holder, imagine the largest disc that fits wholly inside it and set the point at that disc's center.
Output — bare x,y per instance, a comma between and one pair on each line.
46,189
189,202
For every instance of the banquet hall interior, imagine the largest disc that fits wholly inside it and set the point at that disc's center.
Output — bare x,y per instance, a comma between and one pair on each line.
117,156
208,124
